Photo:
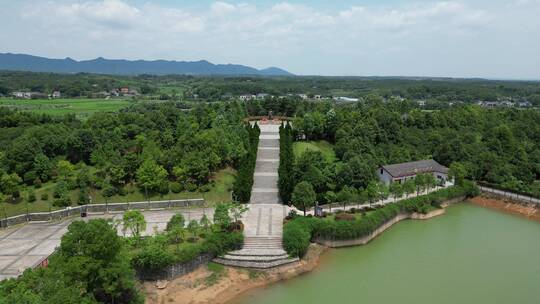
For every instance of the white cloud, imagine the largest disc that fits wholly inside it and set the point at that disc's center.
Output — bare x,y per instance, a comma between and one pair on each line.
422,38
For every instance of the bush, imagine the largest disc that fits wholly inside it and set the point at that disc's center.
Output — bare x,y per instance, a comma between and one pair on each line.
191,187
297,236
219,243
344,217
152,257
63,201
37,183
176,220
45,196
31,196
176,187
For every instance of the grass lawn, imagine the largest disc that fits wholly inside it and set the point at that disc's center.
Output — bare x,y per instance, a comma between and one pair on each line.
80,107
325,147
219,192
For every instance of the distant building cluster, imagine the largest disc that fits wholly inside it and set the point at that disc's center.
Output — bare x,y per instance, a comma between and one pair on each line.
504,103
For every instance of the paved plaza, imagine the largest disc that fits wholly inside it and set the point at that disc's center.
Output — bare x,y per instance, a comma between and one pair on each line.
29,244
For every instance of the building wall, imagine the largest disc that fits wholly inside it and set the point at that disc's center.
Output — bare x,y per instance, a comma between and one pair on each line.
384,176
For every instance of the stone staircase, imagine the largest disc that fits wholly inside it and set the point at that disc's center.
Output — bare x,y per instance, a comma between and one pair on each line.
263,223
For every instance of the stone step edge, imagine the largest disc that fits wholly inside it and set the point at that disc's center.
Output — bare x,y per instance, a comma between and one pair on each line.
256,265
258,258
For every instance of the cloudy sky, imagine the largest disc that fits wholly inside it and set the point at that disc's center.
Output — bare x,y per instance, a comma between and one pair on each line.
476,38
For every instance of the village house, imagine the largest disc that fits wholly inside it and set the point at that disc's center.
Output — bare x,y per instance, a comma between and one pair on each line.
56,94
28,95
343,98
246,97
405,171
124,90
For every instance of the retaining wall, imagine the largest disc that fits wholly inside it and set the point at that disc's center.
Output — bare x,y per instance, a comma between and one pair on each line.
174,271
402,216
96,208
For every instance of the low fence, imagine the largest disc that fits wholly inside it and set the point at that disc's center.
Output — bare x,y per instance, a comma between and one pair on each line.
98,208
510,195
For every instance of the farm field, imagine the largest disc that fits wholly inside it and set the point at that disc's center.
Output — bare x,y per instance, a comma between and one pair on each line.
326,148
79,107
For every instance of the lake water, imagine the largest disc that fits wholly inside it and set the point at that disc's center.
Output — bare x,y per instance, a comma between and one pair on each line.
470,255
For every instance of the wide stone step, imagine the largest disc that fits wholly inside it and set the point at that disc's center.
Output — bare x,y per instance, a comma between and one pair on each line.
258,252
255,264
255,258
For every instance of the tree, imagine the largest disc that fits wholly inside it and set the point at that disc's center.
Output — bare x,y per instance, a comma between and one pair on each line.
237,210
10,185
222,217
176,220
372,192
193,228
330,197
382,190
64,169
134,221
396,189
345,195
91,253
303,196
205,223
409,187
176,234
457,172
151,176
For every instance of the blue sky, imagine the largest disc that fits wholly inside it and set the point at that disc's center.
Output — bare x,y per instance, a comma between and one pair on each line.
456,38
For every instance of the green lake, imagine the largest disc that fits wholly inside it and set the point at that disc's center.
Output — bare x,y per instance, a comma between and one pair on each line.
469,255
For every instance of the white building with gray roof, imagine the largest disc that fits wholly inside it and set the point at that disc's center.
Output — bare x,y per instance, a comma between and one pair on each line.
405,171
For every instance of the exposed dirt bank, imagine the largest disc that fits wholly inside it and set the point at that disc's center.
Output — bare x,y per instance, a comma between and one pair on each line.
194,288
530,211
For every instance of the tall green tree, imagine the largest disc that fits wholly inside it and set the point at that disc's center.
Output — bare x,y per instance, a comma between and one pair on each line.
303,196
151,176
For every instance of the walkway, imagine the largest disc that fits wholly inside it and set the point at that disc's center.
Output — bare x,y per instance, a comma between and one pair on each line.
263,223
510,195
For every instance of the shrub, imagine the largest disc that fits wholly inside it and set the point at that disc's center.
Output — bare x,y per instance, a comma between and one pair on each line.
297,236
176,187
62,201
31,196
344,217
152,257
37,183
176,220
191,187
219,243
45,196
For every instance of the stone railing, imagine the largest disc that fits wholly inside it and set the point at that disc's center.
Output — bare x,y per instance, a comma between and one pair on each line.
510,195
98,208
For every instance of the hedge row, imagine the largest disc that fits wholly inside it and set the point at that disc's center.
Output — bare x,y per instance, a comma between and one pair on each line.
298,233
244,178
286,163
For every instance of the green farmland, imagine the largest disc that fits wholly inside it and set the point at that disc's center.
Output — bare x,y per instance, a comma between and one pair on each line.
79,107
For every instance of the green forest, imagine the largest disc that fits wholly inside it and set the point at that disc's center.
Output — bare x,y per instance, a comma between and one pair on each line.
176,149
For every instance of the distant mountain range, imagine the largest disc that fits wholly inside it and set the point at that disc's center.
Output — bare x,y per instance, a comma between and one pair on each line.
22,62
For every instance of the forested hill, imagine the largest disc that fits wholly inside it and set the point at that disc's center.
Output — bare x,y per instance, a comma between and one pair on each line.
21,62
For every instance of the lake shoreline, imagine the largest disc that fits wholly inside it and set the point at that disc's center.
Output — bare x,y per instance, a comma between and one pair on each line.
529,211
233,284
238,282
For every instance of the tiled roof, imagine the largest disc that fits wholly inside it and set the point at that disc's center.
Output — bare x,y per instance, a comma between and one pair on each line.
415,167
